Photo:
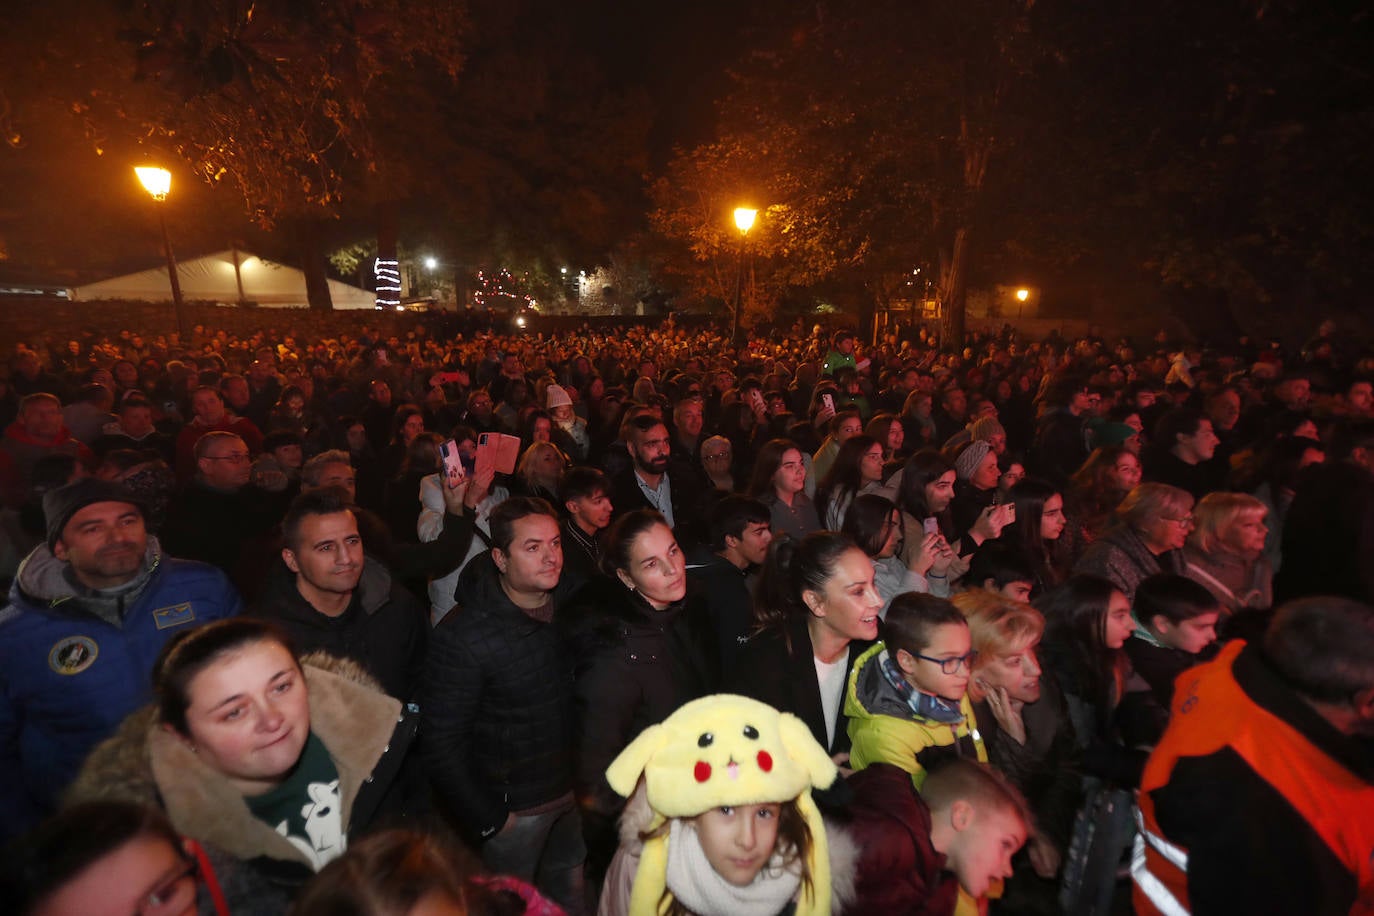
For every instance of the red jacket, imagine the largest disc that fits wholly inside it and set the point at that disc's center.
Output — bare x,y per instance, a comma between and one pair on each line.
900,873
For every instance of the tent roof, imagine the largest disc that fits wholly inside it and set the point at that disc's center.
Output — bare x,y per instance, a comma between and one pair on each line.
211,279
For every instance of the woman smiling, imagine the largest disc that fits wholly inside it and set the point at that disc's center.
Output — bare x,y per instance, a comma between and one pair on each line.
275,761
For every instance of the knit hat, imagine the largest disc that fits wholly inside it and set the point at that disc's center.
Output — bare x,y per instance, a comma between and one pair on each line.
61,504
555,396
984,428
1109,433
724,750
970,458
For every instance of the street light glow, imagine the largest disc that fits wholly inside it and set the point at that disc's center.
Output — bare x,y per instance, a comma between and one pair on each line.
157,181
744,218
1023,294
431,263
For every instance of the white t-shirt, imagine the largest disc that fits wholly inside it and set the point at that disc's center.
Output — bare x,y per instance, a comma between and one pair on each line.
830,678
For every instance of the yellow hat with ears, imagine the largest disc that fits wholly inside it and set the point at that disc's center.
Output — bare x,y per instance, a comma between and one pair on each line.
719,751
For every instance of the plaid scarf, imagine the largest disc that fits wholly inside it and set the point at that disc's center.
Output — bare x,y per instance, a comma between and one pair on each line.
923,705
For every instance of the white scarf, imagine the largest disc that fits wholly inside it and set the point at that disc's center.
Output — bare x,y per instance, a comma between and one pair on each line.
697,886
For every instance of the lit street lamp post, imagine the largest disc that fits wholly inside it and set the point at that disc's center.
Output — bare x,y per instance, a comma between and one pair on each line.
158,182
744,220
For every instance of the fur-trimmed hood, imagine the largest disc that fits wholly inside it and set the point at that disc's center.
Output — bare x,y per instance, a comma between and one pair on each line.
147,763
639,818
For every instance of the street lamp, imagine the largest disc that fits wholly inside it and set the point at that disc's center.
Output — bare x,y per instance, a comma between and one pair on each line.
744,221
158,182
1023,294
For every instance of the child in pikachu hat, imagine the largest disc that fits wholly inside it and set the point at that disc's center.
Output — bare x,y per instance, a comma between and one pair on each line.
720,820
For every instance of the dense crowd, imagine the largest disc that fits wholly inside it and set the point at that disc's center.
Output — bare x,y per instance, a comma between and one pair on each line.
654,621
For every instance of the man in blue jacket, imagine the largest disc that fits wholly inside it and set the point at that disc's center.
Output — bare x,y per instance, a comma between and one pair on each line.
88,614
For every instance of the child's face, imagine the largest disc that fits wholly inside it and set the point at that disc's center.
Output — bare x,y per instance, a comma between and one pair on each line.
1119,624
948,641
738,841
984,841
1191,636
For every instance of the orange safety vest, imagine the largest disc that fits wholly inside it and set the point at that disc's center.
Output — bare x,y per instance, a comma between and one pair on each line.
1211,712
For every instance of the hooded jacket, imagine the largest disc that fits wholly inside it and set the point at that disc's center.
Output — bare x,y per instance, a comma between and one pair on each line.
74,663
883,729
845,860
497,701
384,628
26,450
367,734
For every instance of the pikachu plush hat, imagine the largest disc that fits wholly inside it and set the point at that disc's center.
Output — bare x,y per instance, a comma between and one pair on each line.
718,751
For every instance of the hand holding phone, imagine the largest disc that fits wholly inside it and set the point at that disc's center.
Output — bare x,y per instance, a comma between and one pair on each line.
454,473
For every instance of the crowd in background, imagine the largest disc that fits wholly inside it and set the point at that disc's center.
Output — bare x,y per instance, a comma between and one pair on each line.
1005,553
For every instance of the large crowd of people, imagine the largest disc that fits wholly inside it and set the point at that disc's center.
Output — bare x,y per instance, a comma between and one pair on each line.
649,620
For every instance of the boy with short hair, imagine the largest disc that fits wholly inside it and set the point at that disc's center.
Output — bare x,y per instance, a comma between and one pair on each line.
1176,625
938,851
907,698
1003,569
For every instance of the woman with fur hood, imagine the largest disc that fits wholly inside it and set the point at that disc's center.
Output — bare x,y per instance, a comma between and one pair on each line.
276,761
720,820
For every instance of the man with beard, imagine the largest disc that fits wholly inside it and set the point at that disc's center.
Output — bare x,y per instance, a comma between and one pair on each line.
89,612
646,483
329,595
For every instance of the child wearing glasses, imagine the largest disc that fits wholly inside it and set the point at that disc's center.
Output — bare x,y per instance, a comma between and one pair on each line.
907,698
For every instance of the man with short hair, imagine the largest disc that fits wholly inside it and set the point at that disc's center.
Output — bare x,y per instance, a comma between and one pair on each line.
210,415
219,515
585,494
647,484
89,612
1259,797
134,429
496,697
1181,452
39,432
740,529
328,594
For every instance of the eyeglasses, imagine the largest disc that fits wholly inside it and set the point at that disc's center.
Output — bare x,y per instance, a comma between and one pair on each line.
232,459
953,664
716,457
1186,521
173,895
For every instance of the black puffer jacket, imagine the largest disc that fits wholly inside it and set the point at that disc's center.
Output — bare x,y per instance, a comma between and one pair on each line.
496,701
633,666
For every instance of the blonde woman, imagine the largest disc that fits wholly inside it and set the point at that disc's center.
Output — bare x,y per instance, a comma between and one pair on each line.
1024,720
1225,552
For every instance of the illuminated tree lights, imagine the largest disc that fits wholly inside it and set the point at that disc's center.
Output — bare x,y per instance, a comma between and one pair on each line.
500,285
387,272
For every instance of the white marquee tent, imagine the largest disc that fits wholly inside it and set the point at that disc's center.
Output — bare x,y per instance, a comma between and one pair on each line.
211,279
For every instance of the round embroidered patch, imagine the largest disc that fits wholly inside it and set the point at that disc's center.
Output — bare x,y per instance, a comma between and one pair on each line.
73,655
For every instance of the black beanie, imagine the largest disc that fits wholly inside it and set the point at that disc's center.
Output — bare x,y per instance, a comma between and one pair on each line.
61,504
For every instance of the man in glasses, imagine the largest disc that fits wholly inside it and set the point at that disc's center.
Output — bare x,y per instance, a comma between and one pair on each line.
220,518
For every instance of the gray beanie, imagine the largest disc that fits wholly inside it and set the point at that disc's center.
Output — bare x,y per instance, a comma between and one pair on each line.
61,504
970,458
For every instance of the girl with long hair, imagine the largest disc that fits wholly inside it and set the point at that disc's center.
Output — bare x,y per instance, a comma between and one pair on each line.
858,468
779,481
